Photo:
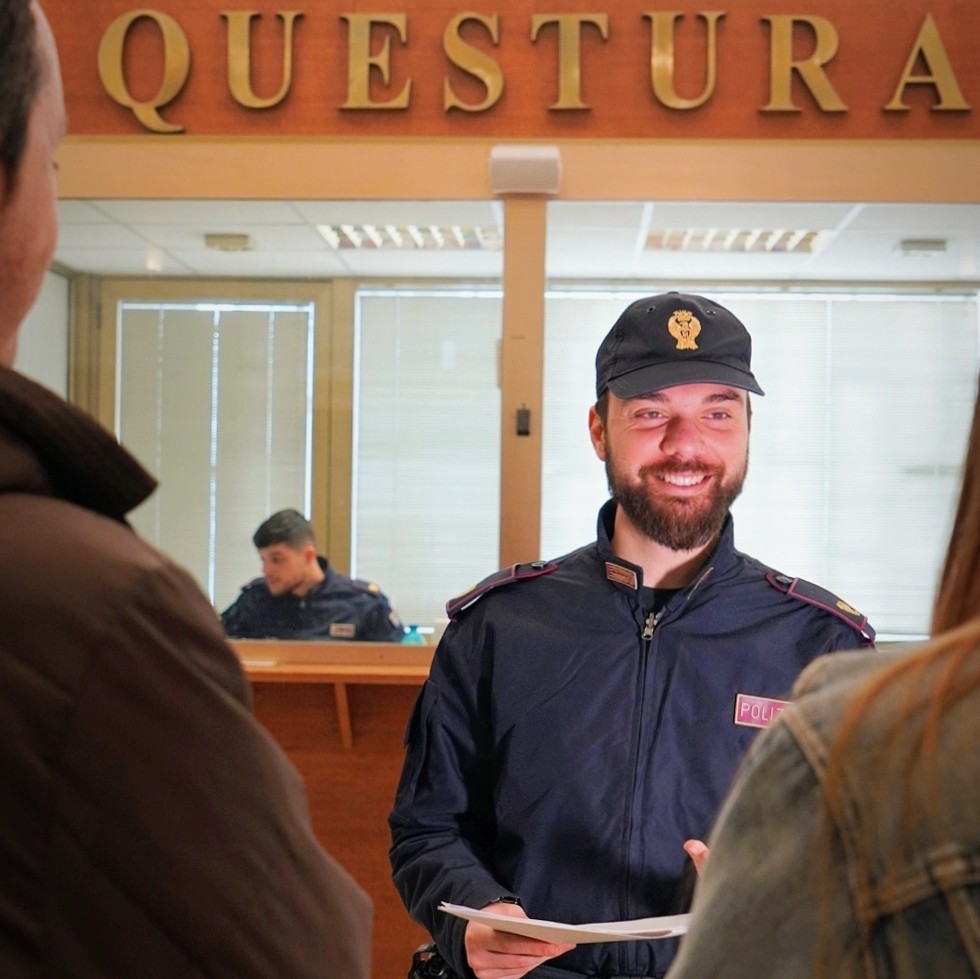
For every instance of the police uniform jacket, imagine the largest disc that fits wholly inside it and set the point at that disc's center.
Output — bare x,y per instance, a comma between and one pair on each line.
567,742
336,608
149,826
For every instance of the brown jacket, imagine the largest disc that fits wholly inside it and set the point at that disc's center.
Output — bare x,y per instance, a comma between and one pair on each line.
148,824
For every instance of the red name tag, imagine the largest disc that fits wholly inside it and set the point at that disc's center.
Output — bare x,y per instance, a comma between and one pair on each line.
757,711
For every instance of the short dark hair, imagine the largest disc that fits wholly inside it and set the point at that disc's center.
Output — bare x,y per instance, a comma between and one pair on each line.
21,75
602,406
284,527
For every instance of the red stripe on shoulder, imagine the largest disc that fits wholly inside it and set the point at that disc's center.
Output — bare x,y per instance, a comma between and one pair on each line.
807,591
515,573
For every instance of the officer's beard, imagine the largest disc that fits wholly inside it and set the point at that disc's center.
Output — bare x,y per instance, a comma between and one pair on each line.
679,523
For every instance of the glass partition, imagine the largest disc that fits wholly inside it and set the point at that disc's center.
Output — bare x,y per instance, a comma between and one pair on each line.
426,472
216,400
855,449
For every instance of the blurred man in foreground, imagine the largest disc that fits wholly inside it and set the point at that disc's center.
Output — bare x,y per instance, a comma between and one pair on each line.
148,825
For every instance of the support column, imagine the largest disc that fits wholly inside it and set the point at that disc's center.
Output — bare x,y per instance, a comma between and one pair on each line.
522,378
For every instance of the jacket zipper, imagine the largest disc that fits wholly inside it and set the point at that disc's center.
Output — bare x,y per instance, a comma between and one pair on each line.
626,957
648,628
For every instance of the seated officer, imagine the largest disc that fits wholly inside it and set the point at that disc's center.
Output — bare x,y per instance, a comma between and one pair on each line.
301,597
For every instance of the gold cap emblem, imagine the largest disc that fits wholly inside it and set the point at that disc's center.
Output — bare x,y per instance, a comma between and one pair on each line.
684,327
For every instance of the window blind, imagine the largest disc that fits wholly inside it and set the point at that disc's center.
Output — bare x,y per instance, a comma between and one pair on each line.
426,513
216,401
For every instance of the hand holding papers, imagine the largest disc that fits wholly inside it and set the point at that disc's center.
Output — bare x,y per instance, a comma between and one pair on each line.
639,929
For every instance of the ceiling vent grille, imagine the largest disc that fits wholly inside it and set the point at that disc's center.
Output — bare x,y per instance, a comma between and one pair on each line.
921,247
734,240
229,242
411,237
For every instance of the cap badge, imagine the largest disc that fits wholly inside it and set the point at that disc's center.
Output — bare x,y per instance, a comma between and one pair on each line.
684,327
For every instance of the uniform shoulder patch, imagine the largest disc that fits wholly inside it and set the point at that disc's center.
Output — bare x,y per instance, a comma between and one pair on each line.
371,586
516,572
807,591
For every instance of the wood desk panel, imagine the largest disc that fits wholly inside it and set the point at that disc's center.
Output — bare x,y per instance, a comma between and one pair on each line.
351,789
338,664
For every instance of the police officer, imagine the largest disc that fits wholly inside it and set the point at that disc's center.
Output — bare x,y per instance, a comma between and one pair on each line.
301,597
584,717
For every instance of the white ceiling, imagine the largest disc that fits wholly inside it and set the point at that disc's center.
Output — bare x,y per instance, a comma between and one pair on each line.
586,241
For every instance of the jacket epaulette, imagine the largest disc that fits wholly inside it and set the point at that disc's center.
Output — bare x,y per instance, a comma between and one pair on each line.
807,591
373,587
516,572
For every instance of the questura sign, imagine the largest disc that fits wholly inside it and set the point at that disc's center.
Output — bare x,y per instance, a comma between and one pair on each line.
525,68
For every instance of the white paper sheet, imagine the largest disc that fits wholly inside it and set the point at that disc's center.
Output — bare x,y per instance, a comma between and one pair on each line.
639,929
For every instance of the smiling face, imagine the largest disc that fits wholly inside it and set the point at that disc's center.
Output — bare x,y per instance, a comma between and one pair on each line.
28,212
676,459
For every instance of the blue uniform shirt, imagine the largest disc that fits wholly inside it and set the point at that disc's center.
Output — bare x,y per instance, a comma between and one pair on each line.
337,608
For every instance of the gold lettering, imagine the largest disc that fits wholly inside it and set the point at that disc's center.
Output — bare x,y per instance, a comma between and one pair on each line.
940,72
240,57
176,65
569,52
662,58
360,61
473,61
810,70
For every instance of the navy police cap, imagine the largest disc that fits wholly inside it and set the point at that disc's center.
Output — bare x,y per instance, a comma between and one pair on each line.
671,339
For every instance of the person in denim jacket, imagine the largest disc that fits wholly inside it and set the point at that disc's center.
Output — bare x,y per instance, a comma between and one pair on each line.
850,844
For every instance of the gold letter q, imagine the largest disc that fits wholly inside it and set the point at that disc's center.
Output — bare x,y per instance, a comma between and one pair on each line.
176,65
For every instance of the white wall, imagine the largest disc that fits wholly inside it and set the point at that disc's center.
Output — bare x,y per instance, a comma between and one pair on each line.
43,347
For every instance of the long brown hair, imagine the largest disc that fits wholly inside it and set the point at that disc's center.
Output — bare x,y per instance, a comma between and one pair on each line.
958,598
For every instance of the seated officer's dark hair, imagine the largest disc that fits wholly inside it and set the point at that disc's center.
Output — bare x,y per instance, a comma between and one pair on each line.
285,527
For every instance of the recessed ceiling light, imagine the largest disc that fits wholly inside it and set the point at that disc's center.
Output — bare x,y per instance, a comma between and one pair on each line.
734,240
412,237
153,260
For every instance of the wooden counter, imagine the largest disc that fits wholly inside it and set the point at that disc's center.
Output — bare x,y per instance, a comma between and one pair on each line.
349,750
337,663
